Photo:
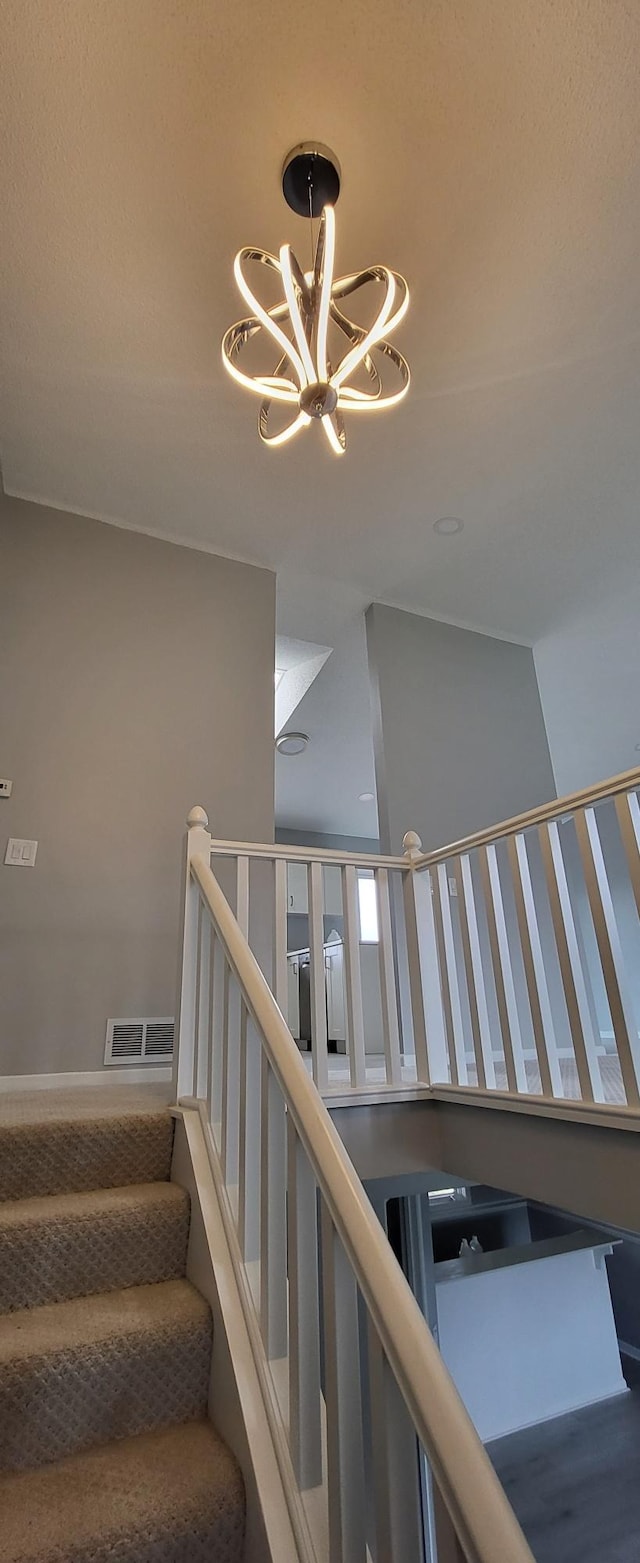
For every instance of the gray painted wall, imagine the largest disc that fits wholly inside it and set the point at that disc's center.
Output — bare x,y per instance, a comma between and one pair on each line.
588,677
136,679
459,734
326,842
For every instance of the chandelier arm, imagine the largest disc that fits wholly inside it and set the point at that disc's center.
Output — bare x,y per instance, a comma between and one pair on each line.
284,435
334,429
262,314
355,334
346,285
300,280
374,334
354,280
354,400
296,317
261,385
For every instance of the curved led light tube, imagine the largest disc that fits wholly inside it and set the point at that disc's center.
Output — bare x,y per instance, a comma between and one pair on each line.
319,391
295,316
325,258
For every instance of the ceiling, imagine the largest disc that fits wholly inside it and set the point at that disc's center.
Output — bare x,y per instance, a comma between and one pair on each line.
490,152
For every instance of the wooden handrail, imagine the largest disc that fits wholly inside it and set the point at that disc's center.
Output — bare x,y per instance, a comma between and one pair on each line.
627,781
279,852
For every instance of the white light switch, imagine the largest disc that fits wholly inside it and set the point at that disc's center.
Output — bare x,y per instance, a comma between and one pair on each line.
5,788
22,854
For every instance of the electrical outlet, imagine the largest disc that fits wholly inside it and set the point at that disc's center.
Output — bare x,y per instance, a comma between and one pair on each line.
5,788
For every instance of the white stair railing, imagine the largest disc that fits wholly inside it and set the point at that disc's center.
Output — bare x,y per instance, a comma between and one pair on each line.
379,1039
531,951
505,963
354,1384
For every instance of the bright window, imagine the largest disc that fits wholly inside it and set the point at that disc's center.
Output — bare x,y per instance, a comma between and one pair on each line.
368,905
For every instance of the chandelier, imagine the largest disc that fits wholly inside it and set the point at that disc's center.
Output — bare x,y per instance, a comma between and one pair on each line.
326,364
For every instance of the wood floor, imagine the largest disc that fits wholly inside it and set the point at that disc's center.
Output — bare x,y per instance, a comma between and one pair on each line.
575,1483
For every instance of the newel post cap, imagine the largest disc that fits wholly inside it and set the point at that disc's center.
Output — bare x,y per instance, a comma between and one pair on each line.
412,844
197,816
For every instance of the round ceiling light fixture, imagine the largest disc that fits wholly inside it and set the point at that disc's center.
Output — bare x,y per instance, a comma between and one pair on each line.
366,797
325,363
292,743
447,526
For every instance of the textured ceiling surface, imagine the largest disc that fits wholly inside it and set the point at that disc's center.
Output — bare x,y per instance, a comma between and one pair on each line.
491,152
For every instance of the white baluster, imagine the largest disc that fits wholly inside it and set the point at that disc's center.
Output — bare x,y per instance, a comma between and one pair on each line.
502,971
235,1041
249,1154
399,1534
534,969
388,995
628,812
413,898
450,986
213,1078
198,844
305,1426
273,1215
280,982
319,1055
353,981
343,1396
242,895
608,939
234,1008
480,1027
203,1029
575,990
219,1035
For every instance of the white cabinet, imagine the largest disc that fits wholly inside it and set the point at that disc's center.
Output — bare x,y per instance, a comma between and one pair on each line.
297,900
292,1016
334,979
297,896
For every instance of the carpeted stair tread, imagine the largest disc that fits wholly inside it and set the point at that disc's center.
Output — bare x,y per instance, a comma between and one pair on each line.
174,1496
71,1245
85,1371
72,1155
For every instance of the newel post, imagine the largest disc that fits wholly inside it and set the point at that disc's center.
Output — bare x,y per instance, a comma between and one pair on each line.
197,844
424,972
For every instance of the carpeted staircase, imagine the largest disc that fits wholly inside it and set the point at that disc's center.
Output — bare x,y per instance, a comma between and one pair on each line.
106,1453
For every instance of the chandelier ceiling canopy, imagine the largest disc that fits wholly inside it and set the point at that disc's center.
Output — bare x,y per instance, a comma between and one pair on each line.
327,364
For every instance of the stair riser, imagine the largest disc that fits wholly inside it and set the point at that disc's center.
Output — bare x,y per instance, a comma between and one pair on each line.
71,1157
52,1261
69,1401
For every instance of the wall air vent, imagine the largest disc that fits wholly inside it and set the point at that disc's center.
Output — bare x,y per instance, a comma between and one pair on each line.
139,1041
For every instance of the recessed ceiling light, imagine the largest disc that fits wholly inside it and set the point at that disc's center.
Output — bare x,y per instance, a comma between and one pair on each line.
447,526
292,743
365,797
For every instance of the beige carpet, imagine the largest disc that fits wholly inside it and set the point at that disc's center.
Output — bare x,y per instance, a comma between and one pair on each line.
106,1455
58,1155
71,1245
169,1497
